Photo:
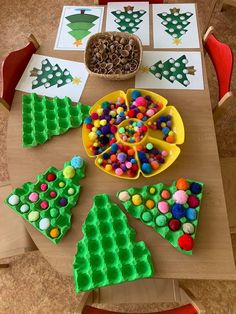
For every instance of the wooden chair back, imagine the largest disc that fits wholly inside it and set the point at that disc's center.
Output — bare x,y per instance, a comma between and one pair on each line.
12,69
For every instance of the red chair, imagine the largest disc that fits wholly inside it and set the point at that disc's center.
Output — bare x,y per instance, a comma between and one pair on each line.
104,2
222,58
146,291
12,69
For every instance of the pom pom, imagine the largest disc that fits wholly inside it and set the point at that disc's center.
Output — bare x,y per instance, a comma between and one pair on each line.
63,201
180,197
185,242
174,224
33,197
163,207
44,204
135,94
54,233
124,196
43,187
165,194
69,172
137,199
94,116
77,162
14,199
188,228
150,204
161,220
51,177
193,201
178,211
146,216
195,188
182,184
146,168
191,213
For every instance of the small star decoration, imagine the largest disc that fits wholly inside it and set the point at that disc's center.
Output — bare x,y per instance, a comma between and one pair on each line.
76,80
78,42
177,41
144,69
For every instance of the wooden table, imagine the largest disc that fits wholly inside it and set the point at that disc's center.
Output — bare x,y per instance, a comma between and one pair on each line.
212,256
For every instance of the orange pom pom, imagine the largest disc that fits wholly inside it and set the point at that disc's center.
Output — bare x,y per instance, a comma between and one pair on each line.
170,139
54,233
139,116
130,152
182,184
113,157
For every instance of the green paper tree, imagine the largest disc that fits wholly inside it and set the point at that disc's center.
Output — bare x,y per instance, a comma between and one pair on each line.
175,23
108,253
47,203
173,70
50,75
43,118
128,20
168,213
80,25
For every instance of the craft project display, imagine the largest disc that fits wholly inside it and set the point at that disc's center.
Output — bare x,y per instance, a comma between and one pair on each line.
178,70
108,253
124,134
113,55
131,17
47,203
77,25
175,26
53,77
172,211
43,118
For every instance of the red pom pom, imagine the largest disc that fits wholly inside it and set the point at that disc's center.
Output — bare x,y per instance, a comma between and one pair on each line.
174,224
51,177
144,128
94,116
193,201
134,167
126,148
53,194
113,129
131,173
185,242
89,126
131,113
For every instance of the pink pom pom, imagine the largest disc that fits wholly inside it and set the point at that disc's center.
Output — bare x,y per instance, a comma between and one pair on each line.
180,197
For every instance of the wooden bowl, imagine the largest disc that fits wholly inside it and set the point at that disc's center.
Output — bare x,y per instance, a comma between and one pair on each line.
112,76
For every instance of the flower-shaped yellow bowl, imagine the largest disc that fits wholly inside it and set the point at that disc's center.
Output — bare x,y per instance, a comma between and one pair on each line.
153,136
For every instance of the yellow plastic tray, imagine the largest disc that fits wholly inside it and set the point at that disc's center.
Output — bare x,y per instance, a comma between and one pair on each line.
152,136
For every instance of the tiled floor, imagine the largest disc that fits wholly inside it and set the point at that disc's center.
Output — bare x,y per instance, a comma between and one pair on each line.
31,285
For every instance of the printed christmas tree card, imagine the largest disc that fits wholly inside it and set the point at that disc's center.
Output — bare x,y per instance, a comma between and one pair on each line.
175,26
53,77
170,70
77,24
131,17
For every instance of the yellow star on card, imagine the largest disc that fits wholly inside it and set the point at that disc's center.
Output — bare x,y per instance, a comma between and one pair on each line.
78,42
177,41
144,69
76,80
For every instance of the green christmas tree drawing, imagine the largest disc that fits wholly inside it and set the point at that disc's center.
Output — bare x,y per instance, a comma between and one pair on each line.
50,75
175,23
173,70
128,20
80,25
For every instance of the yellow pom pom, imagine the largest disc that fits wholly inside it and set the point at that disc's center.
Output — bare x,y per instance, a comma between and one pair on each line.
136,199
119,110
108,167
163,124
171,133
96,123
94,129
103,122
61,184
152,190
92,136
100,161
100,111
69,172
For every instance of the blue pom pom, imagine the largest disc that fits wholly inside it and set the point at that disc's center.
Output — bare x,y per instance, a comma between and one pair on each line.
191,213
133,161
114,147
195,188
135,94
77,162
166,131
178,211
146,168
88,120
106,156
163,118
141,155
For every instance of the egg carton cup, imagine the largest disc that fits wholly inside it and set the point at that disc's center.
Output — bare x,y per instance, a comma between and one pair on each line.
108,253
43,117
152,136
148,216
63,219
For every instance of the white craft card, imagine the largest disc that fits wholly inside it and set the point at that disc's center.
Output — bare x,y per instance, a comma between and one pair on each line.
161,61
77,24
180,28
135,16
70,77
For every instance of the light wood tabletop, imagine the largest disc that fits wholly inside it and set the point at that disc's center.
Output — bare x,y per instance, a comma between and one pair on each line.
212,254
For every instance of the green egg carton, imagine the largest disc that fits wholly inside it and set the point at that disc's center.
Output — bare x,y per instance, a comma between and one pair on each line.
108,253
59,189
43,118
176,221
